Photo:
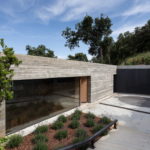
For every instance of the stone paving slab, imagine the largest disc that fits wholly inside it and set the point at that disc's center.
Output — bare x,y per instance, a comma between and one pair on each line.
141,103
124,138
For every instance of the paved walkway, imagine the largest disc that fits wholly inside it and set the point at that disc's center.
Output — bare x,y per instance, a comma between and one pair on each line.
133,132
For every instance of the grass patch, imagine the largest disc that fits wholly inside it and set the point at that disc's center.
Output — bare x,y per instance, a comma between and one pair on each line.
90,116
81,133
97,128
40,146
74,124
90,123
62,118
57,125
41,129
14,141
39,138
61,135
139,59
105,120
76,115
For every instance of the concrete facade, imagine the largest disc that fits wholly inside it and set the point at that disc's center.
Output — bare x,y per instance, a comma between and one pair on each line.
33,67
2,119
101,75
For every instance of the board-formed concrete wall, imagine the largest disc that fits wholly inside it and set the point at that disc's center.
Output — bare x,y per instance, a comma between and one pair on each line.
2,119
34,67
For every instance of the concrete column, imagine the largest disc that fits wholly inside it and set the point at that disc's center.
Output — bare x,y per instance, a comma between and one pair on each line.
2,119
76,88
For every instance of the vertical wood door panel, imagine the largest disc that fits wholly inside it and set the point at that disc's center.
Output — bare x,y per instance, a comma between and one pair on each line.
83,89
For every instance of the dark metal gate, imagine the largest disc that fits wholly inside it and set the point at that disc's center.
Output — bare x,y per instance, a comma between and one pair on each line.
132,79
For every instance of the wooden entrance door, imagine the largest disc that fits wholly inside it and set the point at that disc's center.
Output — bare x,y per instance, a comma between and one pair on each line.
83,89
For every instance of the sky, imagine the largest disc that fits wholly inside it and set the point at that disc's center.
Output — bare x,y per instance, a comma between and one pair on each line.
35,22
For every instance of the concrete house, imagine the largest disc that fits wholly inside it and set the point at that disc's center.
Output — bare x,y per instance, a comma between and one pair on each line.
45,87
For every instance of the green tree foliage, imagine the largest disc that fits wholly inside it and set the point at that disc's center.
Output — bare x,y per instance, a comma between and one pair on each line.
41,50
93,32
78,57
7,59
131,43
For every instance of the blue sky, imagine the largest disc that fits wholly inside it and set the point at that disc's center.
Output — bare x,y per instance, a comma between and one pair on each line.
35,22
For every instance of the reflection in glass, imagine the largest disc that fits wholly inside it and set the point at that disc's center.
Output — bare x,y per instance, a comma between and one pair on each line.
36,100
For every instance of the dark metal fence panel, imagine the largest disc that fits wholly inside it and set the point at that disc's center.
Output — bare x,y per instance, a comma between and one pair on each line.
134,80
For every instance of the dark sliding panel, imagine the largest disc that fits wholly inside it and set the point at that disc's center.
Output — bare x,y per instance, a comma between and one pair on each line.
36,100
135,81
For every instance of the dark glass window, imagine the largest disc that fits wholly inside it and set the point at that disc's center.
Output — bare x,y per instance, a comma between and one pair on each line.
36,100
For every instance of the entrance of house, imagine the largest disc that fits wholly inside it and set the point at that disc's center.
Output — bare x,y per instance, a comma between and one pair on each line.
84,89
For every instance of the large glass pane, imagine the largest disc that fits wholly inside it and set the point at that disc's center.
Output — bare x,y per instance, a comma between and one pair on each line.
36,100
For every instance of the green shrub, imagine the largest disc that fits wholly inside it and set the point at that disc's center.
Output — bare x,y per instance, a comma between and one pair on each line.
57,125
61,135
2,147
79,139
97,128
3,140
78,112
105,120
90,116
80,136
14,141
74,124
41,129
62,118
76,115
89,123
40,146
81,133
104,133
39,138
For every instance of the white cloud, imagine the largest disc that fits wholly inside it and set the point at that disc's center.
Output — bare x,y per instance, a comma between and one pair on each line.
69,10
138,8
6,30
127,27
13,8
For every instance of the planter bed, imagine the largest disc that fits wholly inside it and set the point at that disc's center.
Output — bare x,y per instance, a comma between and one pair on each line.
70,131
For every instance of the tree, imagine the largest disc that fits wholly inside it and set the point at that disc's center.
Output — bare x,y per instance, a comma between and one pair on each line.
130,44
41,50
78,57
7,59
93,32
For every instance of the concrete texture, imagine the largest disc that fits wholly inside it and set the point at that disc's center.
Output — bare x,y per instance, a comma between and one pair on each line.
124,138
133,132
101,75
2,119
33,67
136,102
